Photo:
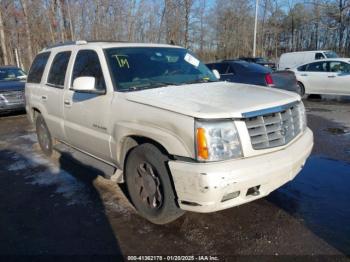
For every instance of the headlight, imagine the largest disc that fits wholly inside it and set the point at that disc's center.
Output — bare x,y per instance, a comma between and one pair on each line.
217,140
302,116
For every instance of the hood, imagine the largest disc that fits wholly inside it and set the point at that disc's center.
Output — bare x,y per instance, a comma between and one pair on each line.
213,100
11,85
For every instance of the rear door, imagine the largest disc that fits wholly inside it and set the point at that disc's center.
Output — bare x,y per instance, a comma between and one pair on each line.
34,81
52,93
87,114
339,78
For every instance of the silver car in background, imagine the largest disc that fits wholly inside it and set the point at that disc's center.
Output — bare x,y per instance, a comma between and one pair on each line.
12,82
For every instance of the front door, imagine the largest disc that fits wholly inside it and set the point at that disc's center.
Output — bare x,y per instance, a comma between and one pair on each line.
87,114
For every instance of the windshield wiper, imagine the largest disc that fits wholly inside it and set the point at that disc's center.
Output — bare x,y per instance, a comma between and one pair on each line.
163,83
151,84
155,84
199,81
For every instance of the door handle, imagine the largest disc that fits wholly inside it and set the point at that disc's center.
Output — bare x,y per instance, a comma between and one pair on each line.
44,98
331,76
67,103
303,74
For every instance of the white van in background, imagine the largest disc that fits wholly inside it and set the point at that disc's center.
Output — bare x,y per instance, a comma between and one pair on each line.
293,59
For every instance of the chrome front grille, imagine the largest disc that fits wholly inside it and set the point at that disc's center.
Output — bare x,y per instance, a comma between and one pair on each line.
274,129
12,97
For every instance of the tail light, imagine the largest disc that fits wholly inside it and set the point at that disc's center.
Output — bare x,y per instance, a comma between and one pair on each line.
268,80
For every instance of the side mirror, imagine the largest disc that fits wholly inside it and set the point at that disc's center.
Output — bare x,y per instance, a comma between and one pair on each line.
85,84
216,73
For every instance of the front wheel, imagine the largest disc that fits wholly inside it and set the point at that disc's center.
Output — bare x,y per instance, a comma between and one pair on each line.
149,185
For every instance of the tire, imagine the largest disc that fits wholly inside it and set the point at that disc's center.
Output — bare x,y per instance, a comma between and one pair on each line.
149,185
44,136
301,90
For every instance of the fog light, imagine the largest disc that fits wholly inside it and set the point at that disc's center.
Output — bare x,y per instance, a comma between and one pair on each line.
253,191
230,196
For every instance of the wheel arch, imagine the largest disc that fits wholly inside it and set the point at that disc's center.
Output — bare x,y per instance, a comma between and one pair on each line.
132,141
302,86
34,111
170,142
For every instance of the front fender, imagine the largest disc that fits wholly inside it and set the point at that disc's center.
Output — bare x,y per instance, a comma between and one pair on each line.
180,144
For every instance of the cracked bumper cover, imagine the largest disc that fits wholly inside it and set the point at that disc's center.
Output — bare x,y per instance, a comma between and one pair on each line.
200,187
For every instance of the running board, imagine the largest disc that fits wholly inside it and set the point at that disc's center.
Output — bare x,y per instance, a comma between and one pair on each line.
108,171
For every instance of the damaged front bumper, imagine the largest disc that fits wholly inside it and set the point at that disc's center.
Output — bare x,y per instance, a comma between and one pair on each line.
209,187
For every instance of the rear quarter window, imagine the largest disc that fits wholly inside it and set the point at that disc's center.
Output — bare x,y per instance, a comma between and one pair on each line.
38,66
221,67
302,68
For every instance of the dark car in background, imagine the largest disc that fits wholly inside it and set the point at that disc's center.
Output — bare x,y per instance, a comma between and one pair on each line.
239,71
260,61
12,81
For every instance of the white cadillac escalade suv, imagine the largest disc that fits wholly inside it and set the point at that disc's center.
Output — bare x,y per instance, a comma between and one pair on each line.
178,137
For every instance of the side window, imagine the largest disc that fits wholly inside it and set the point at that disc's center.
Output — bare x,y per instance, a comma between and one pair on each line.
339,67
38,66
87,63
319,56
58,69
221,67
317,67
302,68
230,70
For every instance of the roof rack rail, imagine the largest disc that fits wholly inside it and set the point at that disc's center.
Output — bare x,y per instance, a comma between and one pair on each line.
78,42
83,42
107,41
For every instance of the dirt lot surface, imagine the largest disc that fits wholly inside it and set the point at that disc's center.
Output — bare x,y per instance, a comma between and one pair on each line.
62,207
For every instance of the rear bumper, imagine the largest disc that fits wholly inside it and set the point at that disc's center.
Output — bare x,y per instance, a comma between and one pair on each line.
290,88
201,187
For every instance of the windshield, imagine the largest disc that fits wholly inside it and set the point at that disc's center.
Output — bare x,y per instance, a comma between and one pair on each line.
8,74
331,54
138,68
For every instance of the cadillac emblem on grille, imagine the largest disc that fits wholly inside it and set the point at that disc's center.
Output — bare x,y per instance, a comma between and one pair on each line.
284,130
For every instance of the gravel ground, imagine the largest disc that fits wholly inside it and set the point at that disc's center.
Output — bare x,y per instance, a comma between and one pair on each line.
61,207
